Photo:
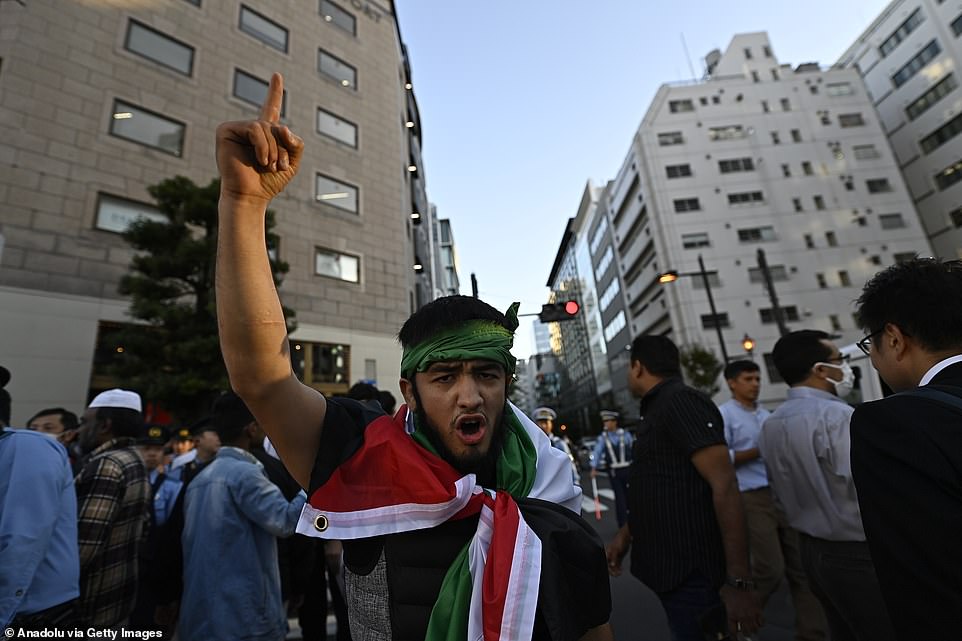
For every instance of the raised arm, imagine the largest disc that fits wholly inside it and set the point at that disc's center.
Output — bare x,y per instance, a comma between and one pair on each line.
256,160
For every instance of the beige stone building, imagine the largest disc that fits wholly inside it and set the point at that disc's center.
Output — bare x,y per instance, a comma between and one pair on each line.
101,98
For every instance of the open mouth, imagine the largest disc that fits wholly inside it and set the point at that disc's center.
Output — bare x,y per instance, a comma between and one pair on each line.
471,428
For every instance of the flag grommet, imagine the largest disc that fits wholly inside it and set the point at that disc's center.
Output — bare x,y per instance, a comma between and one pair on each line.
321,523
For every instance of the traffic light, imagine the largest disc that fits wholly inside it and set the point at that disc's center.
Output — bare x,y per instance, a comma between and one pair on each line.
556,312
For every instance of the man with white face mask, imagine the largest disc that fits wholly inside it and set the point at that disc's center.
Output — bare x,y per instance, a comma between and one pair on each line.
805,444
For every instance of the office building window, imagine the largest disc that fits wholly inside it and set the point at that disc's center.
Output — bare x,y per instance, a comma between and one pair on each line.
605,261
333,264
844,279
921,104
765,107
338,17
807,168
617,324
117,214
746,198
957,26
777,272
796,135
757,234
820,279
836,323
337,69
336,127
159,47
686,204
891,221
819,202
695,240
253,90
955,216
900,34
755,77
336,193
776,140
711,321
949,176
598,235
797,204
902,257
322,365
264,29
698,282
850,120
729,132
916,64
147,128
680,106
736,164
866,152
831,239
610,292
668,138
839,89
878,185
678,171
942,135
789,313
824,117
786,105
809,241
748,53
786,170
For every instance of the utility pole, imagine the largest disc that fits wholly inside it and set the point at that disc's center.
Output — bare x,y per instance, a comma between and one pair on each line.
769,284
474,285
714,313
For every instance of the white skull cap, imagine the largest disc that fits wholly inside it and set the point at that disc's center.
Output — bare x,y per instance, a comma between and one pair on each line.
118,398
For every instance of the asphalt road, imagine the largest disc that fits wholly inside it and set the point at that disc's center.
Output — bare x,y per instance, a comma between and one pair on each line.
636,613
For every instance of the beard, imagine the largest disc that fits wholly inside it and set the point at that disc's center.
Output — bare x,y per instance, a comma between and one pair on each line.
483,466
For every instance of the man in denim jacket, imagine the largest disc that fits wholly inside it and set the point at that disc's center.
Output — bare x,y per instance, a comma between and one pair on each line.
233,515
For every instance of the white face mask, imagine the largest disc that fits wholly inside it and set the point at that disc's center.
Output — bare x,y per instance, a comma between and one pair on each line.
843,387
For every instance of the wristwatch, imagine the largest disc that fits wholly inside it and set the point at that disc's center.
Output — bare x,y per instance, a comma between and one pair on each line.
739,583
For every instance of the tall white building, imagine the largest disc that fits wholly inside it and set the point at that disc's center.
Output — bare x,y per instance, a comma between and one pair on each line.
909,58
758,155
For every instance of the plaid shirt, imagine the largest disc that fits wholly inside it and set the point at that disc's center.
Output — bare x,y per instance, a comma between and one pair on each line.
113,495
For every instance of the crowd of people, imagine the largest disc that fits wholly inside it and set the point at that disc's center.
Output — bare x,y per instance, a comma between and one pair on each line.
458,516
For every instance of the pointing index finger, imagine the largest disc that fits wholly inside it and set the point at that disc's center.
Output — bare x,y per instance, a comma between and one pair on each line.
271,109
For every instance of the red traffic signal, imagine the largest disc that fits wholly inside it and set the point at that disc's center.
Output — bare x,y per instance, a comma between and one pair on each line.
557,312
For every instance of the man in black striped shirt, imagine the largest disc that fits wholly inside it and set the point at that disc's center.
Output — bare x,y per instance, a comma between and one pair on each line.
685,512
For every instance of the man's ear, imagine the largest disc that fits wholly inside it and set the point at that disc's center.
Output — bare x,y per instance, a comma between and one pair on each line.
895,340
407,391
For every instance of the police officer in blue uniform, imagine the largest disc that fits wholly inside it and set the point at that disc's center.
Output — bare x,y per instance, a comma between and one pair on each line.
614,448
545,418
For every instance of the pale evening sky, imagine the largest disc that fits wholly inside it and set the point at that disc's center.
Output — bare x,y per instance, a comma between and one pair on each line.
523,101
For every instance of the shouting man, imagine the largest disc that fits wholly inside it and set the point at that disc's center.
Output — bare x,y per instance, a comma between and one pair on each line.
457,495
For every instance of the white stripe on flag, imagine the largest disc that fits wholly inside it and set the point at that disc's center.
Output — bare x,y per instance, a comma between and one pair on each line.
521,600
389,519
477,555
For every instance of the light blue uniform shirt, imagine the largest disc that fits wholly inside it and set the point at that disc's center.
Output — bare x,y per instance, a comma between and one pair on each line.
232,586
39,557
165,496
621,443
742,428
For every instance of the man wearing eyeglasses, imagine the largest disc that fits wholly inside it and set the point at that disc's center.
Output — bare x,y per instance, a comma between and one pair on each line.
805,444
907,448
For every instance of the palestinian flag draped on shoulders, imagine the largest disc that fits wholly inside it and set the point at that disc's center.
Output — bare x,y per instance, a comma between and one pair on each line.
396,483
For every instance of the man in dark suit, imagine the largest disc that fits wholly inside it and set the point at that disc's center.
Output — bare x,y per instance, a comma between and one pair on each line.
907,448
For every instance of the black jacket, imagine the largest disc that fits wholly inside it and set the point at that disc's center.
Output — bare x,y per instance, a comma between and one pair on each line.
907,466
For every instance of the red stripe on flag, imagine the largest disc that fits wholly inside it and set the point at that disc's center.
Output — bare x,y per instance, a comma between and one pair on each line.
497,567
389,469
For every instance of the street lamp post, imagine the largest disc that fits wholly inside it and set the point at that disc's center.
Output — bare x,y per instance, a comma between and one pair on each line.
672,276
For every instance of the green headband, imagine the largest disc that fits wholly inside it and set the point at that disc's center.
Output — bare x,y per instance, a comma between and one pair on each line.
473,340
